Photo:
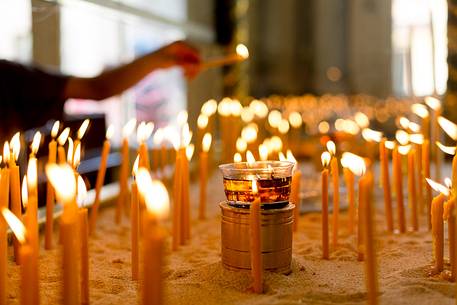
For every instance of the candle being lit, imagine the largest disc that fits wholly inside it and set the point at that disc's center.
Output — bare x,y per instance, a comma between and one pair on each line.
241,54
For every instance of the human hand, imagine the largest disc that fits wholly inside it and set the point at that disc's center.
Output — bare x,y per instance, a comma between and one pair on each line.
180,53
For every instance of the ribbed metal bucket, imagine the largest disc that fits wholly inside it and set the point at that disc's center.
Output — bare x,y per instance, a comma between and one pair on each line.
276,238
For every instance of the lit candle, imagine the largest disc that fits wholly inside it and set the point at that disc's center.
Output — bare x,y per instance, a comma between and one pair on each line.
100,179
398,186
418,140
241,54
384,157
144,131
177,190
124,169
412,189
29,261
325,158
206,144
349,180
421,111
4,199
331,147
255,242
185,192
32,185
134,223
50,195
62,178
15,186
295,189
426,173
435,105
62,139
157,207
449,215
79,135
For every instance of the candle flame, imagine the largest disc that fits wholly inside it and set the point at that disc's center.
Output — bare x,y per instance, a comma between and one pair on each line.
438,187
224,107
128,128
449,127
82,129
350,127
255,189
186,135
24,192
290,156
241,145
158,136
182,117
206,142
420,110
55,129
154,193
32,173
242,51
82,192
70,151
250,158
140,132
247,115
35,142
416,138
259,108
249,133
331,147
281,156
402,137
110,132
62,178
362,120
77,156
433,102
237,158
448,182
354,163
371,135
450,150
323,127
209,107
404,150
274,118
16,145
235,108
135,166
6,152
202,121
404,122
15,224
389,144
414,127
173,136
283,127
295,119
63,136
325,158
263,152
190,151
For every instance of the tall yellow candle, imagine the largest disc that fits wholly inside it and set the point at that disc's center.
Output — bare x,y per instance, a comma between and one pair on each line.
398,184
185,227
206,144
255,241
83,234
100,179
438,232
135,230
449,215
50,195
62,139
383,155
4,199
15,187
412,190
349,179
325,158
177,202
426,173
336,192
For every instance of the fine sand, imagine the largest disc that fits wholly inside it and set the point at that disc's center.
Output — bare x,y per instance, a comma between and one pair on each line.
194,274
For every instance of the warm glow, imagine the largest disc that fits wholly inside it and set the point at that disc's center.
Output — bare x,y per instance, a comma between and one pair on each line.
24,192
350,127
109,132
448,182
331,147
433,102
128,128
290,156
223,109
263,152
16,145
414,127
402,137
70,150
182,117
404,150
140,132
35,142
135,166
55,129
237,158
362,119
83,128
339,124
450,150
371,135
420,110
235,108
274,118
438,187
186,135
276,143
202,121
389,144
355,163
404,122
284,126
209,108
15,224
325,158
77,156
449,127
172,135
82,192
6,152
254,187
295,119
32,173
250,158
249,133
247,115
158,136
206,142
323,127
259,108
190,151
281,156
63,136
154,193
416,138
62,178
242,51
241,145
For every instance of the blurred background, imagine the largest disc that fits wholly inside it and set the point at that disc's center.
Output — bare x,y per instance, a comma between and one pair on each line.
377,47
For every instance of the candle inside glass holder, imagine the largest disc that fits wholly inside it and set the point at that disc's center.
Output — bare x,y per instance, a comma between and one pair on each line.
273,180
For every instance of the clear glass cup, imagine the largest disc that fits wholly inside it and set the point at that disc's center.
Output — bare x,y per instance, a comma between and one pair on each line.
273,182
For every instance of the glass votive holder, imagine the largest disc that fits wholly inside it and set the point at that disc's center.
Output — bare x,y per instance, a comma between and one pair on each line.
273,182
